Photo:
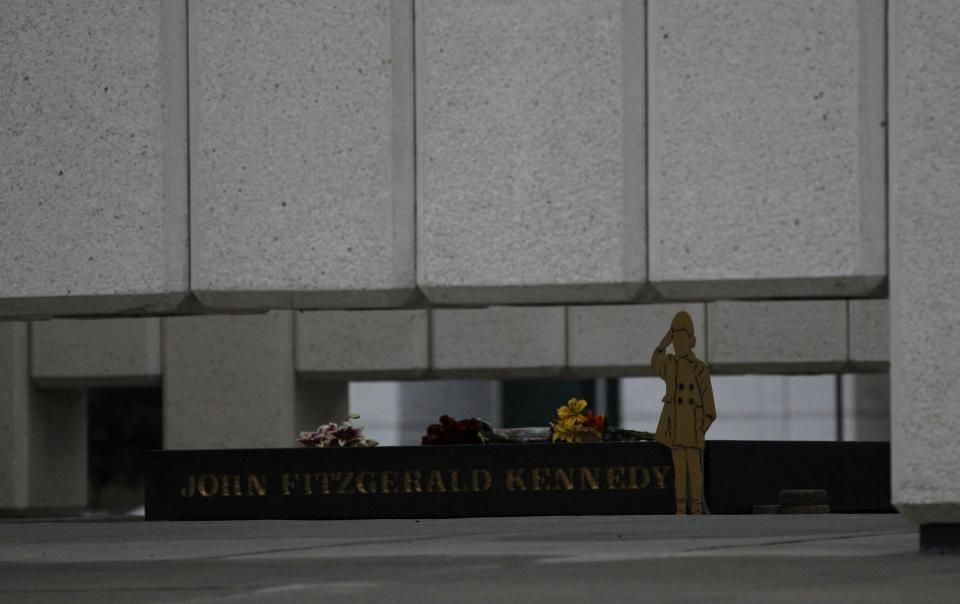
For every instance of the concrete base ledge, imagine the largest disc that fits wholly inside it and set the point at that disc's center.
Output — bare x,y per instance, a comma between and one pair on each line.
800,368
113,381
308,299
577,293
113,305
788,287
947,512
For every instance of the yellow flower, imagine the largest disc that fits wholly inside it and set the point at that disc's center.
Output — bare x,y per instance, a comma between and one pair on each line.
574,408
567,429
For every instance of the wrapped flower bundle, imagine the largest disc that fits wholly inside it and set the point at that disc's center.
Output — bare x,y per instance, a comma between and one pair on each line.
336,436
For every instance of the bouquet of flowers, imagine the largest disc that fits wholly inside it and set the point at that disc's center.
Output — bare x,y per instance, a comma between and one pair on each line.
471,431
574,426
336,436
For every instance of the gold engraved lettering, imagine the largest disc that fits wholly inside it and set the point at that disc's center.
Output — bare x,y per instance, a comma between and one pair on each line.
189,489
515,479
365,483
540,478
632,484
562,476
615,477
290,482
307,479
454,481
388,481
346,483
236,485
224,485
325,481
257,484
208,485
475,480
589,477
436,482
411,481
660,475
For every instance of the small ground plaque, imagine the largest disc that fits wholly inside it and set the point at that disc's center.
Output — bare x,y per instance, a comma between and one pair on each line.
410,482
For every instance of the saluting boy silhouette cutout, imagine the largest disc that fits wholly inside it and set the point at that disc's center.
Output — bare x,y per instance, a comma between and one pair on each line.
688,409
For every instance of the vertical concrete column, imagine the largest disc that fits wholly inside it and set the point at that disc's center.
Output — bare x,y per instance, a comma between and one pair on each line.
925,260
229,382
58,448
43,435
14,416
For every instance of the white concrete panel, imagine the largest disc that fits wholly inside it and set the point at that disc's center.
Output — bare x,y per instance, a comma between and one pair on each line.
229,382
530,144
95,352
870,334
362,344
619,339
498,341
925,259
766,148
93,157
302,153
791,336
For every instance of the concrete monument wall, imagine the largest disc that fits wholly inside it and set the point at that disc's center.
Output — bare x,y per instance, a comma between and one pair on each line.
432,158
390,153
925,259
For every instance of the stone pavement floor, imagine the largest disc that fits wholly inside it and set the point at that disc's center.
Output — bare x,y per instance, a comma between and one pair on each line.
716,559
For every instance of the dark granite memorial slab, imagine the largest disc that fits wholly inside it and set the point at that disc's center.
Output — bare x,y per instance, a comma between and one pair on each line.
410,482
741,474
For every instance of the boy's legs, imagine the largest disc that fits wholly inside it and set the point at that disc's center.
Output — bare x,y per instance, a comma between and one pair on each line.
680,477
696,479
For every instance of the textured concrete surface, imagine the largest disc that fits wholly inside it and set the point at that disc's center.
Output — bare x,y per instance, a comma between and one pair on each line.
93,188
229,382
302,153
43,434
791,336
362,344
57,433
95,352
14,415
500,340
869,324
925,259
615,340
530,151
762,559
766,148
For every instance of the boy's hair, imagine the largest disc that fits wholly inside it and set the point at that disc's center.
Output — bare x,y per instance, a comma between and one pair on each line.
682,321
